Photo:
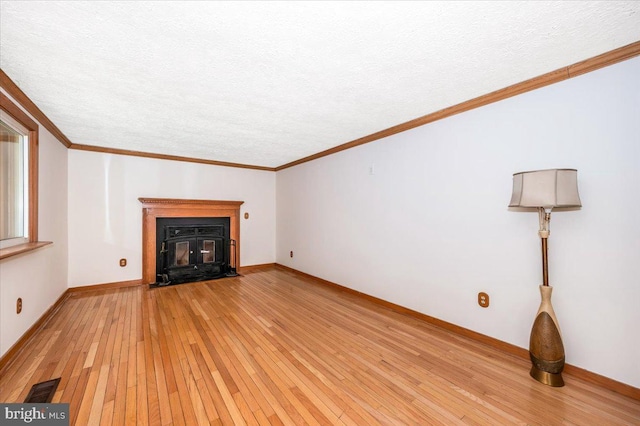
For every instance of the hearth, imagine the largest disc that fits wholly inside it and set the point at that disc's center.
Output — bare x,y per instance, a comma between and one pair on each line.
192,249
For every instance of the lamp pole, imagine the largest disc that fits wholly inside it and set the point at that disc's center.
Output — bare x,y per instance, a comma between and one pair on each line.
545,218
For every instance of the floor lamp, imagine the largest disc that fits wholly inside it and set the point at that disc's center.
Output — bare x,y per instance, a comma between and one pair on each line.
545,190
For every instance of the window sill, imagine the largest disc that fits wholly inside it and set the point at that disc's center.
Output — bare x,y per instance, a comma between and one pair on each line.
22,248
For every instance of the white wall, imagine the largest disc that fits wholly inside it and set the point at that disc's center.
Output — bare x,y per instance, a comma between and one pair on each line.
105,216
39,277
431,228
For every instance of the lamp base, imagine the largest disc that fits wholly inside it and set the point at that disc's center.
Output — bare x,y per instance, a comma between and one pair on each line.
544,377
545,344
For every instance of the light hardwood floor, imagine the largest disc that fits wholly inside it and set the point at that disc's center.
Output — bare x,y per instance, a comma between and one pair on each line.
274,348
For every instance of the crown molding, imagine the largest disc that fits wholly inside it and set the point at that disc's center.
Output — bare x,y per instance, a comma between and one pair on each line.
579,68
117,151
16,93
609,58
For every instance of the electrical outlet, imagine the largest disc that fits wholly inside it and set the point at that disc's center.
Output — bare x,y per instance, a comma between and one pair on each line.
291,253
19,305
123,262
483,299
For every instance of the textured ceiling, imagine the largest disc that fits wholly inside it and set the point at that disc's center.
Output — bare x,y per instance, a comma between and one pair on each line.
267,83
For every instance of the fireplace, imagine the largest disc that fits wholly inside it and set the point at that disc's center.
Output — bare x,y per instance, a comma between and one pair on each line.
192,249
158,208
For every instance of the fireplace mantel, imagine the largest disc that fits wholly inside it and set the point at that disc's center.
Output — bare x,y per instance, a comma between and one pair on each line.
153,208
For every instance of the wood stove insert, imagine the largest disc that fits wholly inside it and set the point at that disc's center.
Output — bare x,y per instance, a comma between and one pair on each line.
192,249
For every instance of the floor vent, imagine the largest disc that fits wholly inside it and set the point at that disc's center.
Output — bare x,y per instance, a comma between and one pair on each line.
42,392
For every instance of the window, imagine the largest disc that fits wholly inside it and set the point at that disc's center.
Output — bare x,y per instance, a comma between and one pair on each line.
14,179
18,180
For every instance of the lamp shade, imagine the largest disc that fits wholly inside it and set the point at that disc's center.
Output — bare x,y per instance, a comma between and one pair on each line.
546,188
